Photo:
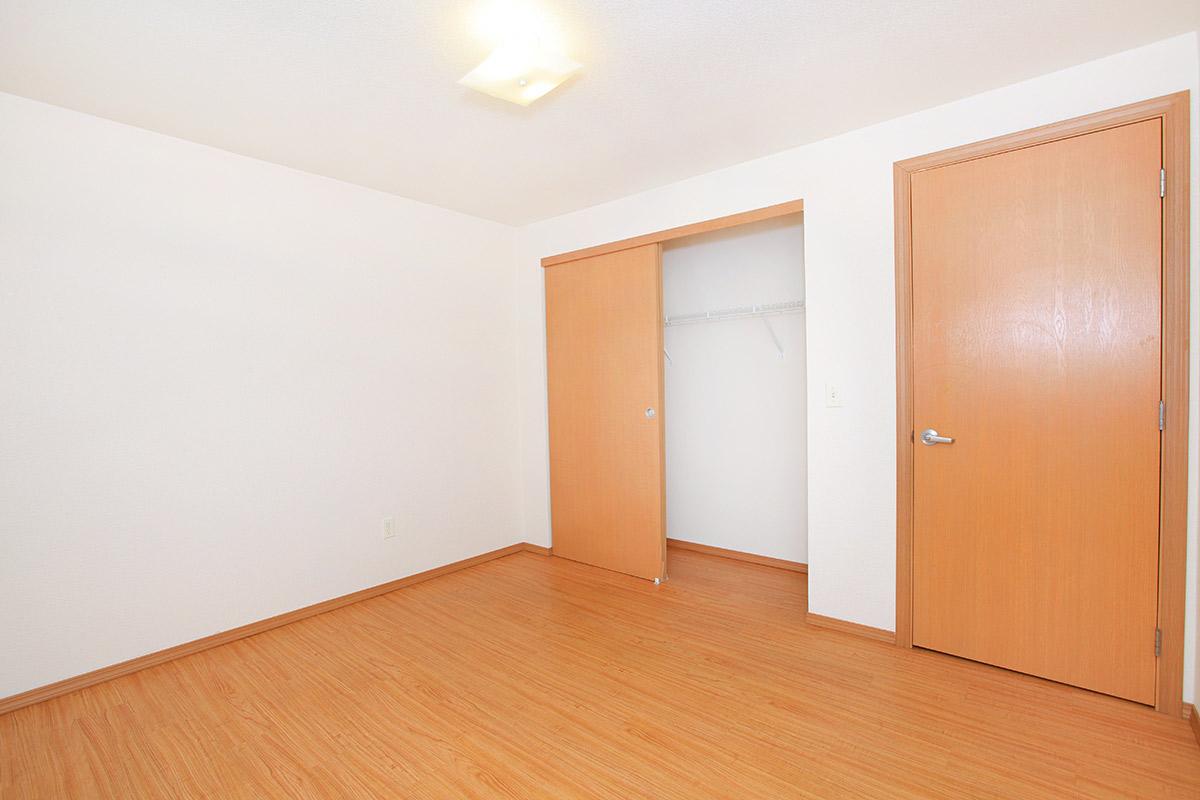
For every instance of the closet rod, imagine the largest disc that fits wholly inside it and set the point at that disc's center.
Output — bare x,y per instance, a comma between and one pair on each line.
737,312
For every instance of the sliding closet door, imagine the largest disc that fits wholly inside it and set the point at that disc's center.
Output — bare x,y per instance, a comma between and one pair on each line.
605,378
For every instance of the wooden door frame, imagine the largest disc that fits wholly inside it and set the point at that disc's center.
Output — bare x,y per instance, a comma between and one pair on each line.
1173,110
692,229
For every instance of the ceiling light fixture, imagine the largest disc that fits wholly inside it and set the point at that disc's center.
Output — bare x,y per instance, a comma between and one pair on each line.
521,68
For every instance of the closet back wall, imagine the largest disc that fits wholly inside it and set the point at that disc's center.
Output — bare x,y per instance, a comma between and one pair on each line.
735,411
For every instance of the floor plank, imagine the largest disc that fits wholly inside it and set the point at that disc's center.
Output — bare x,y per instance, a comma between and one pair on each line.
535,677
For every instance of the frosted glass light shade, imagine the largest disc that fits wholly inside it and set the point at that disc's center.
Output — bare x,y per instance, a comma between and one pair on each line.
520,73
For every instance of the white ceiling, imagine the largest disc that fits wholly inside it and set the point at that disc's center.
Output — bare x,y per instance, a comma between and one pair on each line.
365,90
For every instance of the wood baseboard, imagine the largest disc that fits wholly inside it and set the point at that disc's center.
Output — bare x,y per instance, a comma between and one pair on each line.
834,624
13,702
738,555
1193,718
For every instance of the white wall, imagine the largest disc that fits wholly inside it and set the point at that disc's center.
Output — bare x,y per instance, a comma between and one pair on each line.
846,183
217,376
735,411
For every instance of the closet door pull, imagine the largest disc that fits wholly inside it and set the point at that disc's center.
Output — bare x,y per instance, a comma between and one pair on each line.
650,412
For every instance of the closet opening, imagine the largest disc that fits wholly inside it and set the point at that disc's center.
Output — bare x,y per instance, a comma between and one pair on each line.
720,363
735,392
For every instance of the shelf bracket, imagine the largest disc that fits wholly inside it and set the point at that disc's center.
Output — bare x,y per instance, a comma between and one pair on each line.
774,338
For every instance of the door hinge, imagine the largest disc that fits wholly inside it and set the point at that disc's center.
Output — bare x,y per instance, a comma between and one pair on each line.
1162,415
1162,182
1158,642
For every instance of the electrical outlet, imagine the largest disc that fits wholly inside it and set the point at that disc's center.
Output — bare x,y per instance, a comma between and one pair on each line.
389,527
833,396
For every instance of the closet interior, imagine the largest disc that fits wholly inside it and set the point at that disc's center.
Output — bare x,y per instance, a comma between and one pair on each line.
735,389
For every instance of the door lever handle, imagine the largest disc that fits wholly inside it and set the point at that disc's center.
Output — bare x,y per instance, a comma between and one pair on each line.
930,437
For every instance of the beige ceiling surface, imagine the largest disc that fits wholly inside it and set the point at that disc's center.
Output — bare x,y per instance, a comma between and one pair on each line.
366,91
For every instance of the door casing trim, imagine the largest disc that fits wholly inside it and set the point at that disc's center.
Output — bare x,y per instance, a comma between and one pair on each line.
1173,110
670,234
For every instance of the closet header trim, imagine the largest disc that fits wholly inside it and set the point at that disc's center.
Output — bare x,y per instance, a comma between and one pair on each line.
742,218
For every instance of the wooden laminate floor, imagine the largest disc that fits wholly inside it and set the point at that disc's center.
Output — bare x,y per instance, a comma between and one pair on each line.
535,677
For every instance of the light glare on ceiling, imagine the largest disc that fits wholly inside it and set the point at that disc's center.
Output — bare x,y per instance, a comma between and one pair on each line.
503,21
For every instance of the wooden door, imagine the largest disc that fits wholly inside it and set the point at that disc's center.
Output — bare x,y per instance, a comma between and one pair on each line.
604,346
1037,348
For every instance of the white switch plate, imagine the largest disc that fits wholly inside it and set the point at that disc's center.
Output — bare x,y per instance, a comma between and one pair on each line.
833,396
389,527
